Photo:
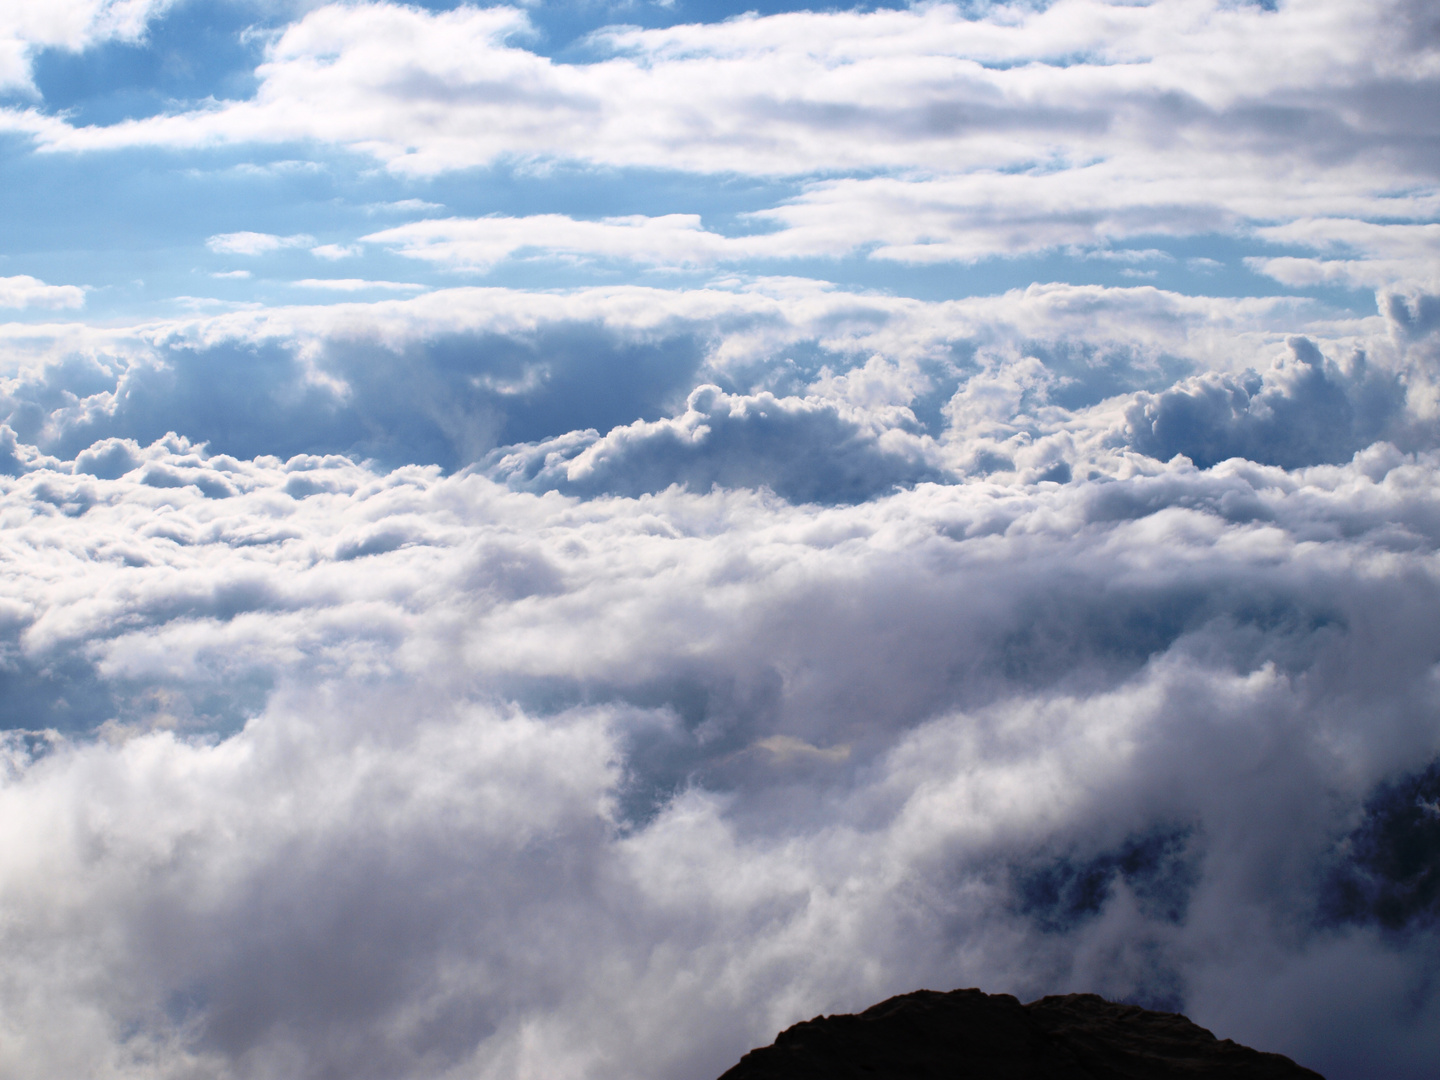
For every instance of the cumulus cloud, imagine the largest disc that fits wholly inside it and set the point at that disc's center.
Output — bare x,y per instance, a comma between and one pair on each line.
805,449
452,375
1305,411
23,291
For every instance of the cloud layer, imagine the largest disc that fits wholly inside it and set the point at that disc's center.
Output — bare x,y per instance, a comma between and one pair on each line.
1079,124
529,780
932,664
588,674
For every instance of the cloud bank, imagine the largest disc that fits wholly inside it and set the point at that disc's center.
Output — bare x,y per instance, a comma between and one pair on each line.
977,652
439,671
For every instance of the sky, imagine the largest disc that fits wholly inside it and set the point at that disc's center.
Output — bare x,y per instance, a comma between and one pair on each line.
551,542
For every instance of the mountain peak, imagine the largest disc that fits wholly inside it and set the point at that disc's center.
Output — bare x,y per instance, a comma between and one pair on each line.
966,1034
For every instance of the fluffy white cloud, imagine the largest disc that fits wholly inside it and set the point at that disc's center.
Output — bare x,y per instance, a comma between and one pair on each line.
407,772
23,291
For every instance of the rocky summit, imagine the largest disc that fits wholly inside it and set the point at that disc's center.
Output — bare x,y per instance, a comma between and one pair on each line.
967,1034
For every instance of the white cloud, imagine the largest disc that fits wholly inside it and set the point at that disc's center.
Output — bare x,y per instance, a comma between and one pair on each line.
1078,126
585,683
23,291
255,243
1381,255
927,88
803,703
603,357
27,25
356,285
403,206
333,252
479,243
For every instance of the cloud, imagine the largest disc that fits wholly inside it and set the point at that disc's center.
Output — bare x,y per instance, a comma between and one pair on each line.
402,206
23,291
66,24
933,88
499,763
734,653
1383,255
479,243
356,285
333,252
449,376
917,136
958,219
254,243
1305,411
805,449
589,682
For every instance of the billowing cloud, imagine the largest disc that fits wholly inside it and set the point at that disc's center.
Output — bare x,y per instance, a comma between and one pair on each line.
452,375
805,449
397,770
1305,412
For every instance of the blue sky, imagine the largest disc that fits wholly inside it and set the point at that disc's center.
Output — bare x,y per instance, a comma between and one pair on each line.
557,540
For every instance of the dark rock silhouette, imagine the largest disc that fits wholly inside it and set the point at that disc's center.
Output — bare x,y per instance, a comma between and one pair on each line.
970,1035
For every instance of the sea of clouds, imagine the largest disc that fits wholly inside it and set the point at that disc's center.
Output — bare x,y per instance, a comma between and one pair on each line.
589,683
